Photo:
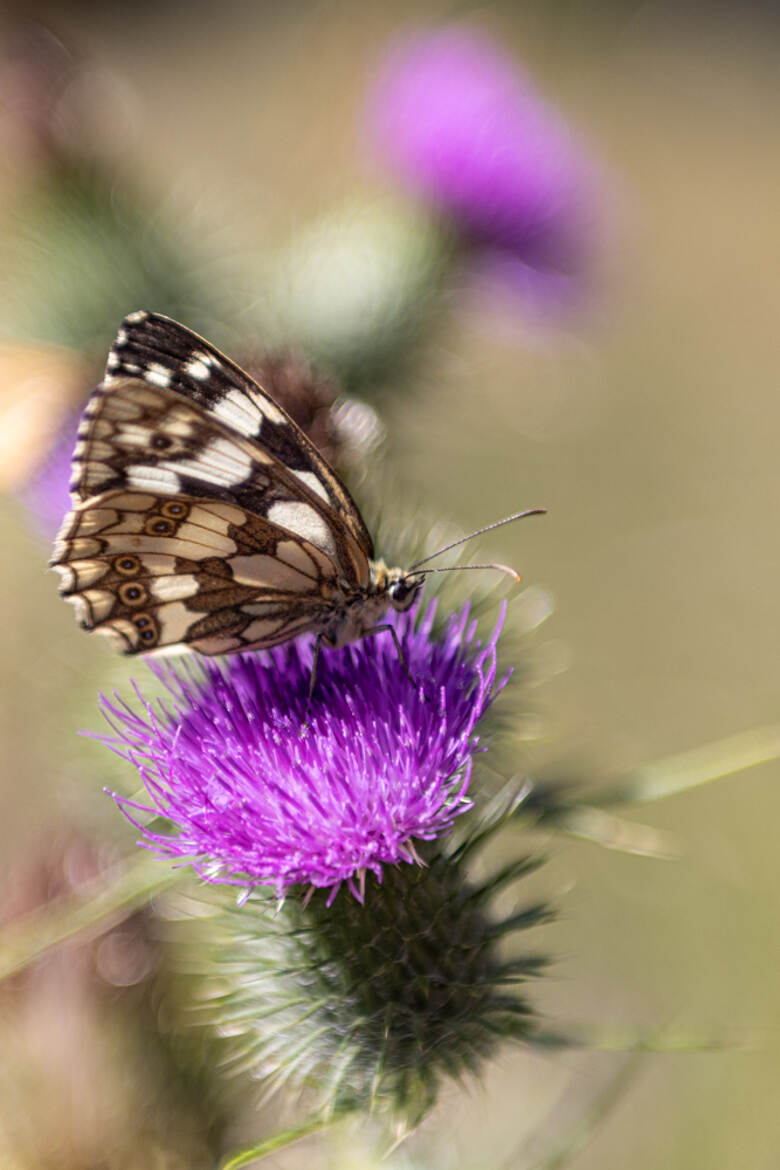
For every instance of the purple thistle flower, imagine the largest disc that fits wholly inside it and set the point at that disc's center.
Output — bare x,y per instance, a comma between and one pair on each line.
460,125
259,799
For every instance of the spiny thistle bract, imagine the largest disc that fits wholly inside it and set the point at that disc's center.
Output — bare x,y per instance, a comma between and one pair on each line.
370,1005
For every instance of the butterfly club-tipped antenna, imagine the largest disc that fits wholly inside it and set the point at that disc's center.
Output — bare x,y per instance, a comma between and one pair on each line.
416,570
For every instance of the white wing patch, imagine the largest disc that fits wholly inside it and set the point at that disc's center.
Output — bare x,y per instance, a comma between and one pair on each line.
313,483
270,411
175,587
131,436
302,520
199,366
153,479
221,463
237,411
158,375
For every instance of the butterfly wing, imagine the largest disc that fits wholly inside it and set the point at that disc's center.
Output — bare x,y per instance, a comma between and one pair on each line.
203,515
168,356
155,571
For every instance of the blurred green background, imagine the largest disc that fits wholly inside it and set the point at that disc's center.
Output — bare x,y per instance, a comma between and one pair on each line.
647,427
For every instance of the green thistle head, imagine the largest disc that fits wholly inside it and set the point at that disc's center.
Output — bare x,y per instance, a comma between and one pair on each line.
370,1005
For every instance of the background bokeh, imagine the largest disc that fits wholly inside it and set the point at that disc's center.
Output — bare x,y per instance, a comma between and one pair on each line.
644,419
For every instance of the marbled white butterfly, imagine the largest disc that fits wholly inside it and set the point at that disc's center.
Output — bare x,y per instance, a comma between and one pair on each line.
203,515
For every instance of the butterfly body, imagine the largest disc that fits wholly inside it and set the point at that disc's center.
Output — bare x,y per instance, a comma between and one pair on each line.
204,517
360,613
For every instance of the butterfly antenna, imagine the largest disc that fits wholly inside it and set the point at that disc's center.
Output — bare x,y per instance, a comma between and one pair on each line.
457,568
479,532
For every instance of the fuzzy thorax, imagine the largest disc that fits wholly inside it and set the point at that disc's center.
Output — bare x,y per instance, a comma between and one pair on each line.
364,611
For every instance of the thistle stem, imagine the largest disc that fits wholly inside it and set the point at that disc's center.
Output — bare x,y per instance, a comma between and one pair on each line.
272,1145
691,769
29,937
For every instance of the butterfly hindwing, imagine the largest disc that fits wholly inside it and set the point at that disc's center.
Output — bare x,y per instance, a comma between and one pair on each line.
161,570
166,355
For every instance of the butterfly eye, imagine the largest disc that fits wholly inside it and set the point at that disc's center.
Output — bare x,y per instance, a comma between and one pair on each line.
403,592
161,442
127,566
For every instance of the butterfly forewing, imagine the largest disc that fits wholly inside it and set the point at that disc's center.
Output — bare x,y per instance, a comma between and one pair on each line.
168,356
203,515
138,437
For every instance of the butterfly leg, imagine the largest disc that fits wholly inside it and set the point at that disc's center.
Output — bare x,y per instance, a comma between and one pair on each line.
312,679
391,629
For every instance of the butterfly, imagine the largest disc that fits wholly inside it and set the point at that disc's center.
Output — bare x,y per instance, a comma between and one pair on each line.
204,517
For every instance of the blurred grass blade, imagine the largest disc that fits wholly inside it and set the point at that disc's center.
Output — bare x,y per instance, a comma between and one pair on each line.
271,1145
668,1039
137,882
589,823
680,773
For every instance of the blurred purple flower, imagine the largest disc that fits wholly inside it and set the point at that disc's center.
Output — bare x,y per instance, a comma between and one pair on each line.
45,492
257,799
462,127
